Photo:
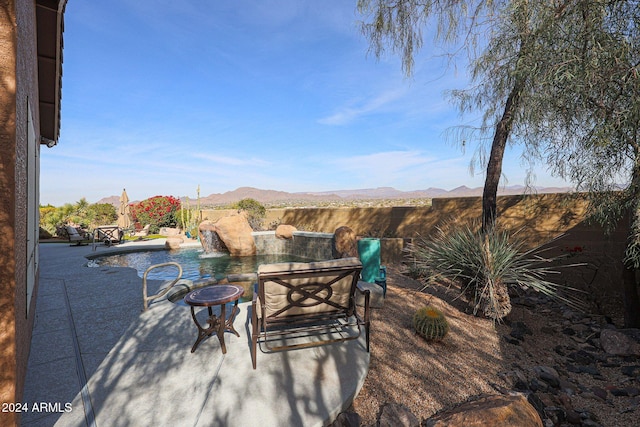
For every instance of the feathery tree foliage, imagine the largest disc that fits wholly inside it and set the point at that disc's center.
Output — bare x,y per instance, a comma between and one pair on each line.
589,130
561,77
500,38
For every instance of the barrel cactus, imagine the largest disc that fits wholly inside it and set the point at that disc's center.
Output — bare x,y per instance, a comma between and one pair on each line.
430,323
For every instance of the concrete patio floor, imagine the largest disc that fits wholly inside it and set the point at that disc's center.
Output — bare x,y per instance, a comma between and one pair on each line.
97,360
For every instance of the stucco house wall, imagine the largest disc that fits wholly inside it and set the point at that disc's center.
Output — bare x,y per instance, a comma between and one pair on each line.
20,85
12,329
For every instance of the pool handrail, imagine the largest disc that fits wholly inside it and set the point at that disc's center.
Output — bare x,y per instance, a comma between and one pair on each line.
146,299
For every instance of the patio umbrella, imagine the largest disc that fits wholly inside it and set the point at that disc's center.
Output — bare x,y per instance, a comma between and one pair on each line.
123,213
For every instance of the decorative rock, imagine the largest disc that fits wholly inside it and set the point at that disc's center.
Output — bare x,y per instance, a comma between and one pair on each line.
504,411
345,243
511,340
548,400
396,415
548,375
173,243
558,349
572,368
590,423
627,391
599,392
284,231
618,392
556,414
519,330
631,371
565,400
347,419
235,233
591,370
591,395
620,342
523,301
517,379
535,401
169,231
573,417
536,385
581,357
567,387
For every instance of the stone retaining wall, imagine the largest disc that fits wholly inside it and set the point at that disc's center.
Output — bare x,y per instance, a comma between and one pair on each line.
317,246
320,246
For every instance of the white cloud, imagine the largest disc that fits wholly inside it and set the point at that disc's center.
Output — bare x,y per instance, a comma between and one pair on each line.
388,161
406,170
349,114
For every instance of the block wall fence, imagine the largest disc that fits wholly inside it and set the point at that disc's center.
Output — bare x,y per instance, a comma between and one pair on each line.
539,219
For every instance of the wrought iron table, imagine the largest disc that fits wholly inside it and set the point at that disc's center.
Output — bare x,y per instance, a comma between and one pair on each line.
210,297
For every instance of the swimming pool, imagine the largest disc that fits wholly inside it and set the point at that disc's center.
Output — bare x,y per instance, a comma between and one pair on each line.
196,264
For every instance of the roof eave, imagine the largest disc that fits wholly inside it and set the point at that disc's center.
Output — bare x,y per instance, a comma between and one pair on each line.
50,28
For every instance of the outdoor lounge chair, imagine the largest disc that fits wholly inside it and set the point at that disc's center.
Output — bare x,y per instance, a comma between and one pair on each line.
72,234
143,232
307,304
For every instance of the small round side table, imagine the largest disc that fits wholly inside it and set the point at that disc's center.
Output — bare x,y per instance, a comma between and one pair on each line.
210,297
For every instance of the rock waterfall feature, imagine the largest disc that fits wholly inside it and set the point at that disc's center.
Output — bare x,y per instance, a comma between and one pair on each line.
228,234
211,241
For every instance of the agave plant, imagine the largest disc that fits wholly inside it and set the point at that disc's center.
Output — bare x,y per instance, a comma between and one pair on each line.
486,266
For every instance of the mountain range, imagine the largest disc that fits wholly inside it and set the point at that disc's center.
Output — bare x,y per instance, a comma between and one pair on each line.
275,196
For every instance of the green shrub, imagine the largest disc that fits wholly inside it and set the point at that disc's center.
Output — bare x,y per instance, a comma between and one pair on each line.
80,213
254,210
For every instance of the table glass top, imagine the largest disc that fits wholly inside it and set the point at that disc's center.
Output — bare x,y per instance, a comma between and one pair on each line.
214,295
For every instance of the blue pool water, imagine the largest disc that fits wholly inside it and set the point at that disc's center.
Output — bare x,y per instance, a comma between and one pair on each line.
195,263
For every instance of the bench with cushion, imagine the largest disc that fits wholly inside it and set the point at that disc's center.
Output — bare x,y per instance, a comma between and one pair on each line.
307,304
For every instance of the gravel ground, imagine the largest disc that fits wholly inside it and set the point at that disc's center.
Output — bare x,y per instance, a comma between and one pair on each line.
473,359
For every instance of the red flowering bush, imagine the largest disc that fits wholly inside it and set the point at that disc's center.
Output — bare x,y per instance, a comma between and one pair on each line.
158,211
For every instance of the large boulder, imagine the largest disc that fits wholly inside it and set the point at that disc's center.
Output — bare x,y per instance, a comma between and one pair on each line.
173,242
504,411
284,231
345,243
234,231
621,342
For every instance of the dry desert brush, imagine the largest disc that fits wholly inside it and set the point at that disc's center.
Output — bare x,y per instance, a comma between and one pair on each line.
487,266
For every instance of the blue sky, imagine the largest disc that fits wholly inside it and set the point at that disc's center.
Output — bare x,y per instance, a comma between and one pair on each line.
161,96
